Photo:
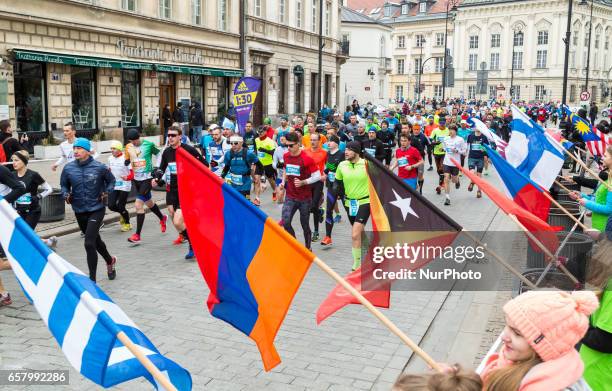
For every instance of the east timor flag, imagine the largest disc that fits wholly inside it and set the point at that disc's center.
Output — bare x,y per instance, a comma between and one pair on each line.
251,265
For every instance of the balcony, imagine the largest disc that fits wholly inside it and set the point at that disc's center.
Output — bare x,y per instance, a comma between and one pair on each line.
343,48
385,63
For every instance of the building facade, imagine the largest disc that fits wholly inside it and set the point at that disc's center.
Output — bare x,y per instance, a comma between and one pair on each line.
365,75
114,64
282,49
517,44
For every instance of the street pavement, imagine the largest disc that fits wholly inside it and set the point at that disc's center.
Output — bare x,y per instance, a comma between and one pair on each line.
166,296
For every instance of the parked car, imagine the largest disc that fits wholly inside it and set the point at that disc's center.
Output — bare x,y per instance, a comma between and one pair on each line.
606,112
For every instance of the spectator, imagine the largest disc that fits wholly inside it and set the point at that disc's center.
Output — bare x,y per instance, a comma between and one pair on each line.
9,144
166,119
196,117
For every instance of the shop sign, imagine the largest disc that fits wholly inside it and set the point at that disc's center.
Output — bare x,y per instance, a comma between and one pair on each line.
156,54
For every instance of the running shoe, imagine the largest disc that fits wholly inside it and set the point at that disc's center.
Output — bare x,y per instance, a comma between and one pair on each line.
457,185
190,254
438,190
110,269
478,194
121,220
134,239
338,218
256,202
321,215
471,186
126,227
179,240
162,223
326,241
447,201
430,168
5,299
52,241
315,236
274,197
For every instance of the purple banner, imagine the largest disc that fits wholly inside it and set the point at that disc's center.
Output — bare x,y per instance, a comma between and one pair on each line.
245,94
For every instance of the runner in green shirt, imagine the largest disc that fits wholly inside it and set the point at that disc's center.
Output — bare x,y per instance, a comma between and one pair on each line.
438,136
352,185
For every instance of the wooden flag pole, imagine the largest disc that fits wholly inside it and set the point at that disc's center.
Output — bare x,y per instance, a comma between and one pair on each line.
390,325
584,166
502,261
558,205
563,187
146,362
546,250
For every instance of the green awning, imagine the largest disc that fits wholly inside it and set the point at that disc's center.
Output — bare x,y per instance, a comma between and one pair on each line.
80,60
198,70
120,64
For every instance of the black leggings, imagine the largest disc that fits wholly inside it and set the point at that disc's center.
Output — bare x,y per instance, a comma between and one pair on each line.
440,168
116,202
317,194
429,153
89,223
329,212
289,208
31,217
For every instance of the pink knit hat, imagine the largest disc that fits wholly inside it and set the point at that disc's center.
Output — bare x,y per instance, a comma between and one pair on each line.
552,321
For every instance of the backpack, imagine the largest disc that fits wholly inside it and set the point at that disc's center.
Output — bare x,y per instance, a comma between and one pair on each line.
232,155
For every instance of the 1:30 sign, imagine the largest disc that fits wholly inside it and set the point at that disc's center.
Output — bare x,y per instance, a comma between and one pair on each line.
245,99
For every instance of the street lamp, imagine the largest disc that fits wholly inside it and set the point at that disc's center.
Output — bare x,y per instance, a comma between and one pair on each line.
517,32
568,33
451,6
586,81
421,68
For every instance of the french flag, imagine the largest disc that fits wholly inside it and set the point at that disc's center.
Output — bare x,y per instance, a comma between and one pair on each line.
519,188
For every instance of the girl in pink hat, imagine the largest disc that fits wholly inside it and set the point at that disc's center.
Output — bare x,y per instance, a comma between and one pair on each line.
538,353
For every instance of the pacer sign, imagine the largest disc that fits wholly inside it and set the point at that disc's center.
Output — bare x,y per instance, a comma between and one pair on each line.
245,94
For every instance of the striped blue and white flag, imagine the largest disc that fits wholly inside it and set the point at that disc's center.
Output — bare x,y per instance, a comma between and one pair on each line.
82,318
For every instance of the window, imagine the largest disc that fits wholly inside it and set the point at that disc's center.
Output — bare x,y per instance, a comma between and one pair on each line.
128,5
518,39
607,43
83,97
473,41
575,39
222,15
439,64
165,9
197,90
516,92
420,40
539,92
422,7
439,39
437,91
399,92
381,89
572,59
473,62
471,92
541,58
494,62
327,18
495,40
586,36
196,11
542,37
405,9
282,6
315,11
30,96
492,91
298,13
387,10
130,98
597,39
258,8
517,60
572,95
401,41
400,66
417,65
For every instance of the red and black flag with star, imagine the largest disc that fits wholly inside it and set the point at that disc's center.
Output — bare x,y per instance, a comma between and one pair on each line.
400,215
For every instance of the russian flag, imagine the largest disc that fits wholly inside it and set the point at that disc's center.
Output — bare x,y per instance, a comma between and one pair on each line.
251,265
522,190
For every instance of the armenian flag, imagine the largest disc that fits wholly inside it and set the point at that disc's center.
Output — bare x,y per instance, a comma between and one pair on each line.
251,265
399,215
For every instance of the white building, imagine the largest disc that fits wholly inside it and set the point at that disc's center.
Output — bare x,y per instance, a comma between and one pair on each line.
365,75
282,43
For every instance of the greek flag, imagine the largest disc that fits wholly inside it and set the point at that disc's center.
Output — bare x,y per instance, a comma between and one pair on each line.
82,318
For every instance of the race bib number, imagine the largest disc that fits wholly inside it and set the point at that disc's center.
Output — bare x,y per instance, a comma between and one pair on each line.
251,148
331,176
140,165
172,168
25,199
477,147
402,162
214,151
119,183
371,151
261,155
353,207
236,179
292,169
441,139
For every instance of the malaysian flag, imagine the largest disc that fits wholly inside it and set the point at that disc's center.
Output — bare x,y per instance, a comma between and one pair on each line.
598,148
593,138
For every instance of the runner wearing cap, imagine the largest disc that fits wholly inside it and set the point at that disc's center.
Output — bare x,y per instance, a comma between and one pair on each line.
283,129
373,146
265,148
387,137
237,169
476,155
206,139
419,141
351,184
334,157
124,175
454,147
139,154
464,131
438,136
